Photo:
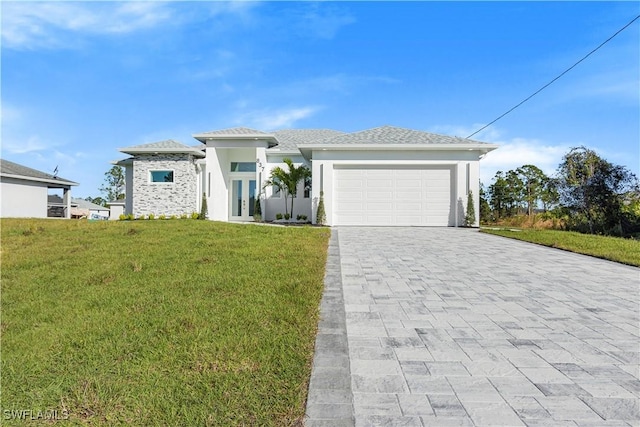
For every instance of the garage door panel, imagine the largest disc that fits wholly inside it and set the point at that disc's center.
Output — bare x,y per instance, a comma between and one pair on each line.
382,195
378,206
393,196
379,183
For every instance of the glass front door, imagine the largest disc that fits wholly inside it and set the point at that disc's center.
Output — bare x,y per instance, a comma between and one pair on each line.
243,198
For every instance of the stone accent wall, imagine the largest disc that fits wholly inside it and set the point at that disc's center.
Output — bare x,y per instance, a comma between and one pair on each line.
168,199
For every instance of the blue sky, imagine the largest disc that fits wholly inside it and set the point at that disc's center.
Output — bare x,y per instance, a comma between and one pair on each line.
81,79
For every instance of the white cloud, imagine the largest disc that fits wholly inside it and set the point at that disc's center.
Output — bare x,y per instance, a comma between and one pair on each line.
517,152
30,145
321,20
27,25
276,119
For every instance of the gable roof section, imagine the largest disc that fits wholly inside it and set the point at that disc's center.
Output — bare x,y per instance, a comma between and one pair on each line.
167,146
289,139
238,133
394,135
14,170
391,137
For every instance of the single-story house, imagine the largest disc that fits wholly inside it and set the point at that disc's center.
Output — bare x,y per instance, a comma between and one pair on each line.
382,176
24,192
80,208
85,209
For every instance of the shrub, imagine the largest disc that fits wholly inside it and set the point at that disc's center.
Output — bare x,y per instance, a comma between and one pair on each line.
151,216
301,217
287,216
321,216
141,217
162,217
122,217
257,211
183,216
195,215
278,216
203,207
173,217
130,217
470,215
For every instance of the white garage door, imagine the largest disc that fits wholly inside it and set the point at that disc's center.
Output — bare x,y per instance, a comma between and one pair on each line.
393,196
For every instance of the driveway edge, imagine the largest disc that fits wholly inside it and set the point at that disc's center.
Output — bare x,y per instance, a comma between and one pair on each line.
330,400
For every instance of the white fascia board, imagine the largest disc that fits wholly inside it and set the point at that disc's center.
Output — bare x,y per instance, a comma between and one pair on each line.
60,182
307,149
276,152
368,147
219,140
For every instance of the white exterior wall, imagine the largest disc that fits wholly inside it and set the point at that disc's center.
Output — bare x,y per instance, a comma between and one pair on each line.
324,161
23,199
218,175
115,210
301,206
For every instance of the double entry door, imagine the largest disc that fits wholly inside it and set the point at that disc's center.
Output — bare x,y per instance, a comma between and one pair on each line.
243,198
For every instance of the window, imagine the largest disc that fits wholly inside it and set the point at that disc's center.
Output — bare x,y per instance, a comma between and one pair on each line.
161,176
243,166
307,189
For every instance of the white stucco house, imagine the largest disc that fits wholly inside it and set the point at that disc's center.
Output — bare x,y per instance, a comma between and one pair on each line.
385,176
24,192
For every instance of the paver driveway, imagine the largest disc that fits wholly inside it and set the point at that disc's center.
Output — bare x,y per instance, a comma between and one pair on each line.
455,327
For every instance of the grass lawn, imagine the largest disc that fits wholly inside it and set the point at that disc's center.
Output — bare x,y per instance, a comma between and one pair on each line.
175,322
626,251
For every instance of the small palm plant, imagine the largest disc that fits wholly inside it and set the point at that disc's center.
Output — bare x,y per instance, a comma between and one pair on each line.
287,181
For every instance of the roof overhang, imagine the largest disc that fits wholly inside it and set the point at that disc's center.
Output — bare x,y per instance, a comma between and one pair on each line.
57,183
235,140
144,150
482,149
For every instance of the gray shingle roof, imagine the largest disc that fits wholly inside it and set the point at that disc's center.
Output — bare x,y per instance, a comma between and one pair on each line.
393,135
16,170
85,204
167,146
239,131
288,139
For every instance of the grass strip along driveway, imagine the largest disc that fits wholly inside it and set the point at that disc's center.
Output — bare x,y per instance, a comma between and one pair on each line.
625,251
177,322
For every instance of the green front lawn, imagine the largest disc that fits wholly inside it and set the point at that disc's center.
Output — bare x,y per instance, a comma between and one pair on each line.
626,251
175,322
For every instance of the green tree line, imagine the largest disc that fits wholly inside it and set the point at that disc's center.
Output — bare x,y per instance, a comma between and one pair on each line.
587,193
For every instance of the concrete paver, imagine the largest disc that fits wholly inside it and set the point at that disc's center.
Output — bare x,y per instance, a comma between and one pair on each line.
431,326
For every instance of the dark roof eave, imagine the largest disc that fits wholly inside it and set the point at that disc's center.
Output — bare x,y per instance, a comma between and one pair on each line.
57,181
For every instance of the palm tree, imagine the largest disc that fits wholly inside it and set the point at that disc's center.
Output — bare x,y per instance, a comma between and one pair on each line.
287,182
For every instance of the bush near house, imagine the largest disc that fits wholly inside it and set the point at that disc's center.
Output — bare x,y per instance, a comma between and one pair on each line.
187,326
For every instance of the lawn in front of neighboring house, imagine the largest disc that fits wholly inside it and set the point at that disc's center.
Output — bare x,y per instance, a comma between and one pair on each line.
174,322
626,251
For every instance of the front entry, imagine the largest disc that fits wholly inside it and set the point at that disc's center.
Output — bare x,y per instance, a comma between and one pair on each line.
243,198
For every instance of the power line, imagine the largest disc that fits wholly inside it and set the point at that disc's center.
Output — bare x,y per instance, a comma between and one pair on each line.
561,74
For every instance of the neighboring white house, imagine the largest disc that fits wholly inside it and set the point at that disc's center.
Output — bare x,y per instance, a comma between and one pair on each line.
382,176
81,208
24,192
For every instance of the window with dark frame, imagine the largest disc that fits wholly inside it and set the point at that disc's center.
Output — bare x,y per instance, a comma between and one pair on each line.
161,176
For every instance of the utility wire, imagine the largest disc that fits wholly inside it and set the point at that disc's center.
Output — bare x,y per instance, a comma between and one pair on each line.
562,74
